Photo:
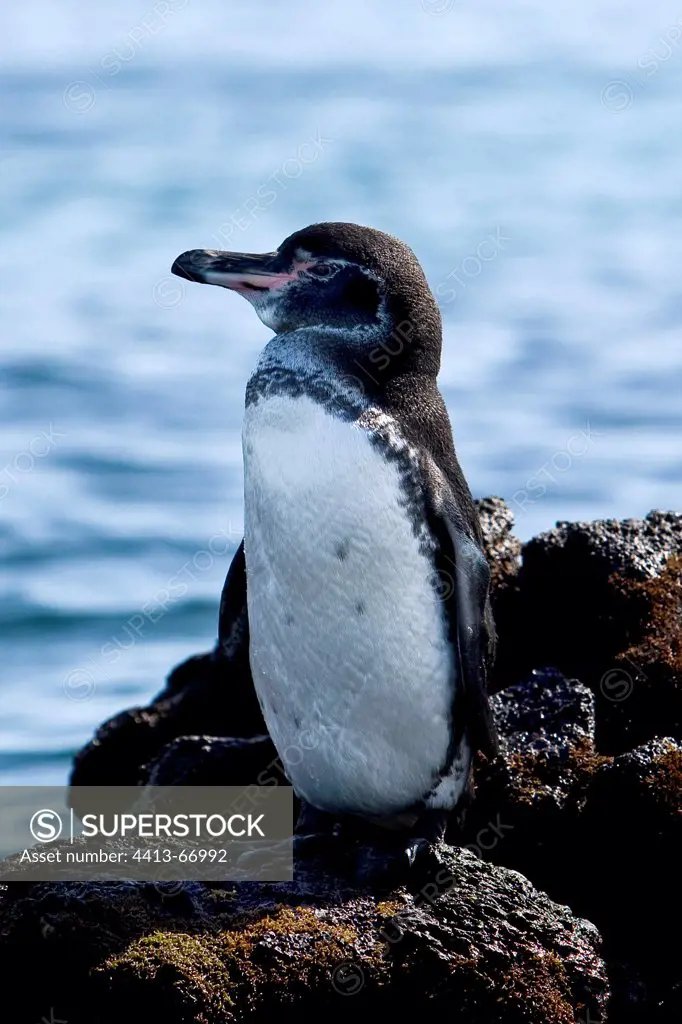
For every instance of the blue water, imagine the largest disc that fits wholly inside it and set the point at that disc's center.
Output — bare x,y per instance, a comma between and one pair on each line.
531,156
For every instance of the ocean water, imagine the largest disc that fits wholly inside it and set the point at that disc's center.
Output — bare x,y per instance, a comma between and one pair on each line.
531,156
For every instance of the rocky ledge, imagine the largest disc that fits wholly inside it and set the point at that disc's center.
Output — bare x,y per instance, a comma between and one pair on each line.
480,941
556,903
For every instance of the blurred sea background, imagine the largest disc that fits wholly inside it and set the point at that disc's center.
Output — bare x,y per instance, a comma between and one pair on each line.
530,154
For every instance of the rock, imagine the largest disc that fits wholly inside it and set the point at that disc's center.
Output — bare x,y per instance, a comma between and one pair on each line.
635,548
529,798
217,761
502,549
602,602
632,827
203,696
633,815
599,833
481,945
545,712
640,694
213,761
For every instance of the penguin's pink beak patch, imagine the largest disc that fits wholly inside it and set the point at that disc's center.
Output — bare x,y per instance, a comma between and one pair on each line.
240,282
239,271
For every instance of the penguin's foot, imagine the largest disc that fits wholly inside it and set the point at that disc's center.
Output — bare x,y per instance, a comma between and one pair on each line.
376,856
411,865
424,859
412,862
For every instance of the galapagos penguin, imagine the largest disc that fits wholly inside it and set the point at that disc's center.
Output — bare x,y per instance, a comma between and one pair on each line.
360,592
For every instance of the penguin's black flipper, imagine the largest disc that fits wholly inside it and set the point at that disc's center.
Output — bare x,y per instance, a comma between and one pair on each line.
462,574
233,619
473,617
463,582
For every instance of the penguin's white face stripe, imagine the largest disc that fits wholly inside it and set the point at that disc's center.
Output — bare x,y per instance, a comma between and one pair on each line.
349,643
306,259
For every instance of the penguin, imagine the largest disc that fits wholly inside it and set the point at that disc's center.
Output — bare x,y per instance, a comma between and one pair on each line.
360,594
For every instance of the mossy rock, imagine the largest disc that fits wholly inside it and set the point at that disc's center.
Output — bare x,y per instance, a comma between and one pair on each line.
602,602
478,942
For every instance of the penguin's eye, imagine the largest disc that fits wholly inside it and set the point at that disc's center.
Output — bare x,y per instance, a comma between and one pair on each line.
322,270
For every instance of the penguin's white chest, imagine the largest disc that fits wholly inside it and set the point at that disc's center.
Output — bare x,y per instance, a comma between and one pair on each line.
348,643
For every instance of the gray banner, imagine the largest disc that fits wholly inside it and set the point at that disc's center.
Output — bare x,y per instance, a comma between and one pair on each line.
151,833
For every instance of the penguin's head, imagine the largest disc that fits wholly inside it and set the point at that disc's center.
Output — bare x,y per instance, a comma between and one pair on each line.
333,275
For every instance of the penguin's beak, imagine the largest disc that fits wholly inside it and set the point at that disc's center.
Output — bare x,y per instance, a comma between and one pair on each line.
240,271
